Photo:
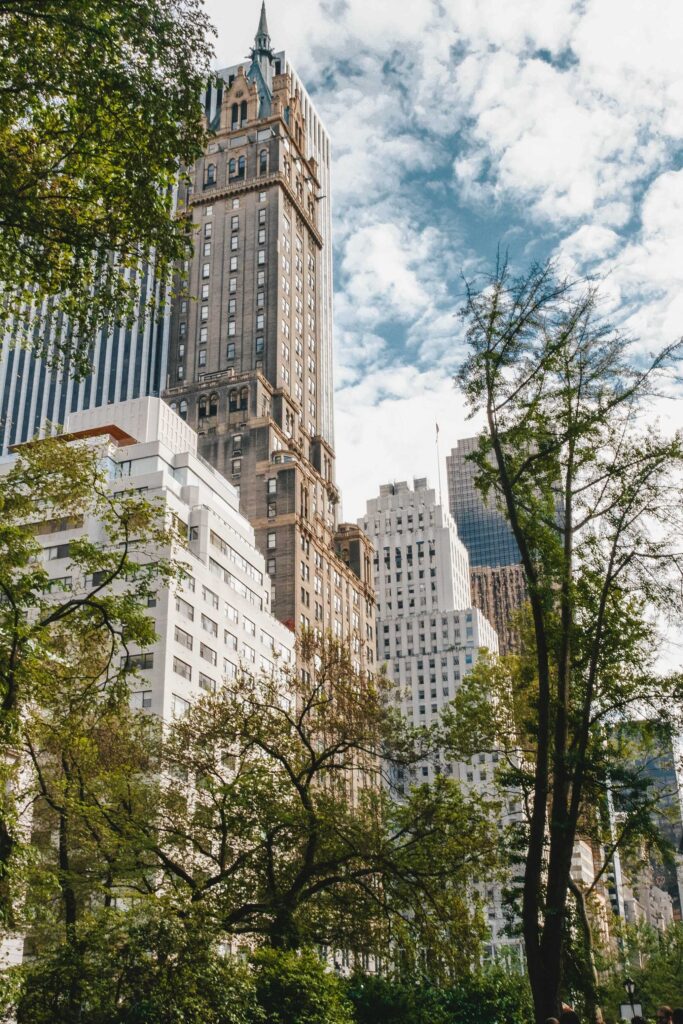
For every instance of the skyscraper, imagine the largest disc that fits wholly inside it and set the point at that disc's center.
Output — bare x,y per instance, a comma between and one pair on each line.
250,352
428,633
496,575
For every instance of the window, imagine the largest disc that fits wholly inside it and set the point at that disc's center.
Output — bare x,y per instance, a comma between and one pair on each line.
137,661
234,116
184,638
207,683
209,625
182,668
207,248
236,444
244,398
272,485
141,699
262,197
231,350
179,706
232,167
248,626
260,321
235,223
233,263
270,566
205,293
260,298
232,284
243,111
230,640
231,613
203,335
262,236
234,242
208,230
259,345
262,216
261,257
236,467
271,539
201,358
207,653
208,211
210,597
204,314
263,162
213,404
235,204
233,400
182,410
232,328
211,174
240,167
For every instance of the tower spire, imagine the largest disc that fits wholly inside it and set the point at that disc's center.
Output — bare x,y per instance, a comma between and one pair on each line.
262,37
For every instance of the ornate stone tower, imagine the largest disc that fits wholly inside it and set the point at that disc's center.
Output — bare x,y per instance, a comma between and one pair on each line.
249,363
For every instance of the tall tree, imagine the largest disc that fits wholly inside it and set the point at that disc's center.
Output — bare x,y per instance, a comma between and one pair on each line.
594,500
279,825
67,634
99,107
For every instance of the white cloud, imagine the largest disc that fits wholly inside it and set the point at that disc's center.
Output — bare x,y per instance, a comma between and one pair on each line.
386,430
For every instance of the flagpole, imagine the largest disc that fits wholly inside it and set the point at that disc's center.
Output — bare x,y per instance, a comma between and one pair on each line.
438,463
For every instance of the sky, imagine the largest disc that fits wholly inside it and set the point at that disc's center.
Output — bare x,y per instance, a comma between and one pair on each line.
545,127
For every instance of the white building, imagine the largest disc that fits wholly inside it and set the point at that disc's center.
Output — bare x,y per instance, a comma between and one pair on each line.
428,633
220,617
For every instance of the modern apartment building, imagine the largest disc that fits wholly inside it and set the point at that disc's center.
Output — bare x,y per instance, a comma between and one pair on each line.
497,578
250,351
219,620
428,633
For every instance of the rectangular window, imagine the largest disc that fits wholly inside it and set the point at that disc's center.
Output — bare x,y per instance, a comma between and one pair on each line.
204,314
207,248
259,345
208,211
248,626
206,270
261,257
233,263
235,204
232,328
209,625
184,609
260,298
230,640
235,223
260,321
184,638
182,668
141,699
236,467
207,683
137,661
262,235
262,197
262,216
205,293
209,596
201,358
232,284
208,230
231,613
229,669
179,706
260,277
207,653
271,539
231,350
203,335
232,305
234,243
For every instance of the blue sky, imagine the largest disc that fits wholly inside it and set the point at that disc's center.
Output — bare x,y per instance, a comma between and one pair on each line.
549,127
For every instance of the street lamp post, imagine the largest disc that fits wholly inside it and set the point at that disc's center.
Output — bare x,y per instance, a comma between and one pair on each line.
630,986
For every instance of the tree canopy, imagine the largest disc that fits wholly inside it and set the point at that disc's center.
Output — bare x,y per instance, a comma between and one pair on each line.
593,497
99,108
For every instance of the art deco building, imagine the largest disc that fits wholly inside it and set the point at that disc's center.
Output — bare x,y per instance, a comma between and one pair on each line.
428,632
250,355
497,577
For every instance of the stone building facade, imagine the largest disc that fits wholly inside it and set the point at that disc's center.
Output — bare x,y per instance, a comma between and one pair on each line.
249,364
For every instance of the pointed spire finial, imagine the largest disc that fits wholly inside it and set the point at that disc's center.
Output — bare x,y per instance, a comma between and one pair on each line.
262,37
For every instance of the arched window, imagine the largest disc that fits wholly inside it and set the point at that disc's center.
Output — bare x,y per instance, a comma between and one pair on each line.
211,174
243,111
174,407
263,162
231,167
202,407
213,405
232,400
182,412
244,398
234,117
240,167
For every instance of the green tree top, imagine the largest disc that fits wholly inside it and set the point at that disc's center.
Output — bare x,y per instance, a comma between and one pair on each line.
99,107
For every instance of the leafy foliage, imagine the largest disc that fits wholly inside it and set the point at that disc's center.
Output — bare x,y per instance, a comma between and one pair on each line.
99,107
594,502
64,643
